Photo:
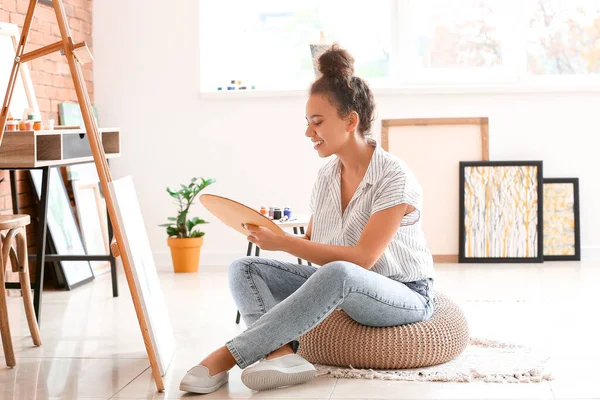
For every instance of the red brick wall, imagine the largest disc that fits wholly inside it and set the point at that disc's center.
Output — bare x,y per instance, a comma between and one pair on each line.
50,74
51,78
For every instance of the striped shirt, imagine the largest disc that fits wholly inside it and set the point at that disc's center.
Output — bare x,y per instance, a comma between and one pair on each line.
387,183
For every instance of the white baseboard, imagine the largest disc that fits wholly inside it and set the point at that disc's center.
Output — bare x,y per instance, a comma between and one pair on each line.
590,253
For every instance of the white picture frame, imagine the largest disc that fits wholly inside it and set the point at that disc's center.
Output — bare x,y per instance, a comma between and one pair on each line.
91,214
23,98
147,284
63,228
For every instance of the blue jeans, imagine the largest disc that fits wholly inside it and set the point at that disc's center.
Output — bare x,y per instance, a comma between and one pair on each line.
280,301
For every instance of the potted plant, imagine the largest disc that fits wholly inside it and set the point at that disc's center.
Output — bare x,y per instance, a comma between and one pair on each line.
184,240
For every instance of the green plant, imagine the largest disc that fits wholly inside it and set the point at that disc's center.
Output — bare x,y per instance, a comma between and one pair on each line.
181,226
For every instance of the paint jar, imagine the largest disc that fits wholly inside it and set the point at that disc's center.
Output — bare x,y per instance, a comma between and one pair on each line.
37,125
264,211
287,212
26,125
12,125
277,213
271,211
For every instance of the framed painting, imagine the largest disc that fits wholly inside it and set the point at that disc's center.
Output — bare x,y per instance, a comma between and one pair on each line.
561,219
501,211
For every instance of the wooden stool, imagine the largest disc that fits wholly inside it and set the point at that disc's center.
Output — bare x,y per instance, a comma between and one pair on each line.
15,224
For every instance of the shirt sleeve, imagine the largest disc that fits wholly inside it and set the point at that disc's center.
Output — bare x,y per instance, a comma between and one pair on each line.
395,188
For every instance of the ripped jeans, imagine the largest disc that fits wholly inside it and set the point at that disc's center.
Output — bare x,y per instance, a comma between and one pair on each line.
280,301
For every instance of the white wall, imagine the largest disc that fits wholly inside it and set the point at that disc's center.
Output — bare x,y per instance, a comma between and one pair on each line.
146,75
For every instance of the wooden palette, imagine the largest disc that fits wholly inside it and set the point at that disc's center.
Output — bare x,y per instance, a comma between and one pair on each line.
235,214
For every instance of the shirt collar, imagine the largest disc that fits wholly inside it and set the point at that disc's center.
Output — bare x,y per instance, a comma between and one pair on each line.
374,166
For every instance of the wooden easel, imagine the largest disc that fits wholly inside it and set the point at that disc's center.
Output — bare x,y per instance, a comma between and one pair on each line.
78,54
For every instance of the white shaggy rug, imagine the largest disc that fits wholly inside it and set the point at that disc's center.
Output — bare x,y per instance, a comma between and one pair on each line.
482,360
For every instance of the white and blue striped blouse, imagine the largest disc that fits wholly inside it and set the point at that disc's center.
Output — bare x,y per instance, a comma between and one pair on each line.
387,183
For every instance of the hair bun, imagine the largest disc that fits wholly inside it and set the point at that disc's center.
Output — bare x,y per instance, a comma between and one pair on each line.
336,61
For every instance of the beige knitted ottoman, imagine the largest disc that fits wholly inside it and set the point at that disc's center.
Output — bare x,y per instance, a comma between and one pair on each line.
343,342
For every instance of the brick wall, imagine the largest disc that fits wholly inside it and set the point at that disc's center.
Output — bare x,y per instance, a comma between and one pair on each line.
50,74
51,79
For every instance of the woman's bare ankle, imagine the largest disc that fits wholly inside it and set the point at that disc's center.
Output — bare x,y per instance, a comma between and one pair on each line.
218,361
282,351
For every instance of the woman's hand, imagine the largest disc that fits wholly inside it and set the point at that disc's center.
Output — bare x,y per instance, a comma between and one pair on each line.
264,237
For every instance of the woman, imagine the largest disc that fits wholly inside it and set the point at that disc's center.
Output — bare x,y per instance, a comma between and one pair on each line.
365,232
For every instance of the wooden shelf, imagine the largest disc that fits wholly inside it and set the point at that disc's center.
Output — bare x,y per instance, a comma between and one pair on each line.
33,149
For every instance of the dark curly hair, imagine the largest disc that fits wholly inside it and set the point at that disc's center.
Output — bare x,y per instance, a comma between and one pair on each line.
345,91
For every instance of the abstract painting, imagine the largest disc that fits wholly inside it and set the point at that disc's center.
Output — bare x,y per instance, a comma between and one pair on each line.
501,217
561,219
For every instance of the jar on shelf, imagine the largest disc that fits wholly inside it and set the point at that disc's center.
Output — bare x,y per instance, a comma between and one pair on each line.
26,125
12,125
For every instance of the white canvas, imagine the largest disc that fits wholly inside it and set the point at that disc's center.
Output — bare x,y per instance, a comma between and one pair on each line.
62,227
83,172
147,284
19,105
433,153
91,213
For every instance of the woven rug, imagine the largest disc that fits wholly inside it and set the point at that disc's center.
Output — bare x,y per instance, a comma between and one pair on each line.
482,360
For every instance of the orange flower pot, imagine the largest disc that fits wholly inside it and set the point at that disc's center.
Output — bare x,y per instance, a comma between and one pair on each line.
185,253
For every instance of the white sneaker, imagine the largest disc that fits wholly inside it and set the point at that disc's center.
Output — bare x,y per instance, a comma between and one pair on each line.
287,370
198,380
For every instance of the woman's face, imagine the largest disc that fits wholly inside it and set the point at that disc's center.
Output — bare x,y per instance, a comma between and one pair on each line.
327,130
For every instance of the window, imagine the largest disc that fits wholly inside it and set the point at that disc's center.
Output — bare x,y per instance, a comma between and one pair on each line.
266,43
457,36
401,42
563,37
455,41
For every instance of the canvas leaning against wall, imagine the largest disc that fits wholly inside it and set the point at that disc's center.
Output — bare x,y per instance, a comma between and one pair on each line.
501,212
561,219
63,228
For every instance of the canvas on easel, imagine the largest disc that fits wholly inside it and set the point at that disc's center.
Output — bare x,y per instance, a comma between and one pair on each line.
23,95
138,249
76,55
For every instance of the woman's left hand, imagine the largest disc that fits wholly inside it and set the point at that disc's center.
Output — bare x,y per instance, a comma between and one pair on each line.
264,237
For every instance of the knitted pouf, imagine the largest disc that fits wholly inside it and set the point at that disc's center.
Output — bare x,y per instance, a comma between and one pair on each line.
341,341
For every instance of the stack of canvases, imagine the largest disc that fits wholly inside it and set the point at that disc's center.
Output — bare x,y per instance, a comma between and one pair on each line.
477,210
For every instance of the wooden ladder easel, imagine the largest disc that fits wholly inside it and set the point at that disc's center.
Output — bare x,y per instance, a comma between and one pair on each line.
78,54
